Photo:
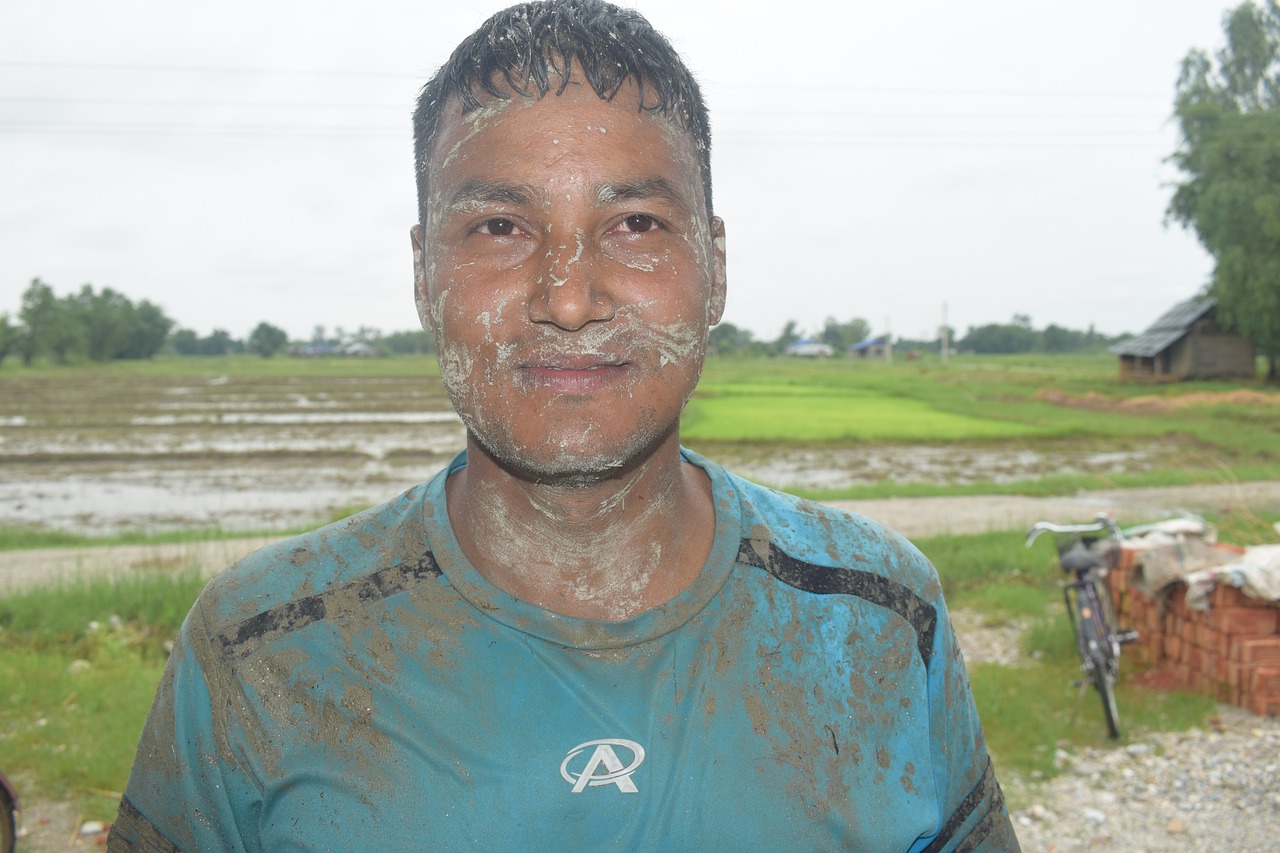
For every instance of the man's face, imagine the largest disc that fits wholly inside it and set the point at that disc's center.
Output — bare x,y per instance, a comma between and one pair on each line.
570,274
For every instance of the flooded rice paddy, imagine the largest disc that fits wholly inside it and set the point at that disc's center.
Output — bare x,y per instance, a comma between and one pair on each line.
98,452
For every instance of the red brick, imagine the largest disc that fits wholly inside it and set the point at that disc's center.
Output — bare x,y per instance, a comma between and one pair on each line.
1182,672
1227,596
1265,681
1205,663
1264,706
1206,637
1265,650
1247,620
1173,647
1220,671
1238,674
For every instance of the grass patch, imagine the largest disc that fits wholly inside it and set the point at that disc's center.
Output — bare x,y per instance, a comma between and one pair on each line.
817,414
80,664
1026,712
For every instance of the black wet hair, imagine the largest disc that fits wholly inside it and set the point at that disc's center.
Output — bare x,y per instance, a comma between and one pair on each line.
531,46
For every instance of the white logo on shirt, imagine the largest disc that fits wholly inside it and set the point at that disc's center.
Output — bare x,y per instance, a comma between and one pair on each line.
603,758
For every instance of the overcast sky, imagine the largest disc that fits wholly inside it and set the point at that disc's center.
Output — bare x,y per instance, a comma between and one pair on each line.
244,161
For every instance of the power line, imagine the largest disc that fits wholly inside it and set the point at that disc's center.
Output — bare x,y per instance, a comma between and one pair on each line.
204,69
176,102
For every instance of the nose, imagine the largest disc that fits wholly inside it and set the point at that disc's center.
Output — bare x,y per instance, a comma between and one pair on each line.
571,292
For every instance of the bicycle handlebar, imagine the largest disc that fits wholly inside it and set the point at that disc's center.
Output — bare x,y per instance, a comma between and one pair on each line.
1102,521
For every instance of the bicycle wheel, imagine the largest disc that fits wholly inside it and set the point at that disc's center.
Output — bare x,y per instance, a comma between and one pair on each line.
1103,673
7,829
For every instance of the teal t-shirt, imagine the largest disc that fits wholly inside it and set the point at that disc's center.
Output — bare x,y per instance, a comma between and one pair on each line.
363,687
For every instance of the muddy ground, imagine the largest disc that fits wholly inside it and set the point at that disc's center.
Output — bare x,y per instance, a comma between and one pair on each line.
109,453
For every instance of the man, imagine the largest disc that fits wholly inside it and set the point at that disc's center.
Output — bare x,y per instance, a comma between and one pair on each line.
578,636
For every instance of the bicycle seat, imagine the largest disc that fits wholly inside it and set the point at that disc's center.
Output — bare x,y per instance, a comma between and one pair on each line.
1078,558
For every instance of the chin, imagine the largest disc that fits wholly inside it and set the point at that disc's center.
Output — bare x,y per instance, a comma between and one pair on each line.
559,463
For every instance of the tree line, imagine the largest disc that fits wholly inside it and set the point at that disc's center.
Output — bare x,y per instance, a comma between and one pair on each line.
106,325
1016,336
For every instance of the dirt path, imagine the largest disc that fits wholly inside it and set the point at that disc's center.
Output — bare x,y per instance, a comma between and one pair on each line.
980,513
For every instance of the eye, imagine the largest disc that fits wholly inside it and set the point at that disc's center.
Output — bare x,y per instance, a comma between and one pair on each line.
638,223
497,227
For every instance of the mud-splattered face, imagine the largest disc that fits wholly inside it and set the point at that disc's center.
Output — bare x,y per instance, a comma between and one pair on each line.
570,273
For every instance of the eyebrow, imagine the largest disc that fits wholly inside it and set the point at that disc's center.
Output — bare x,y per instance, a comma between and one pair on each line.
480,192
641,189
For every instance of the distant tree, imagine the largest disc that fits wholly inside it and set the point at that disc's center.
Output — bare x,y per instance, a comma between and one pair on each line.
1055,338
407,343
841,335
50,325
150,329
106,318
116,328
1000,338
728,339
185,342
267,340
7,336
786,337
1228,111
219,342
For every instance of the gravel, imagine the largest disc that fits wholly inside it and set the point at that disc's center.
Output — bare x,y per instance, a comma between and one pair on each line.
1161,792
1199,790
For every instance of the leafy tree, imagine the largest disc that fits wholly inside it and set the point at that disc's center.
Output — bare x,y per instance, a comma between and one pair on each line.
8,336
841,335
1228,110
149,330
786,337
1055,338
114,327
994,338
185,342
106,318
267,340
219,342
407,343
50,325
728,339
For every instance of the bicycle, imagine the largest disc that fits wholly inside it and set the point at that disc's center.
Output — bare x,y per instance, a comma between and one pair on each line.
1090,608
8,810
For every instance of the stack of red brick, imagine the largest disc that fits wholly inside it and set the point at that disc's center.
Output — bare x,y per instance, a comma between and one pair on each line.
1231,651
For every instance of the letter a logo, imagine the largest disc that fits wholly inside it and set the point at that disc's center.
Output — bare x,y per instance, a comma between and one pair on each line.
603,767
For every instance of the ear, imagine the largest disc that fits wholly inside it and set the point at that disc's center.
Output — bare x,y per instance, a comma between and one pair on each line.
719,283
421,297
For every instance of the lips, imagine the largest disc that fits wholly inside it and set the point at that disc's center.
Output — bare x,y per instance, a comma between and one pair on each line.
573,374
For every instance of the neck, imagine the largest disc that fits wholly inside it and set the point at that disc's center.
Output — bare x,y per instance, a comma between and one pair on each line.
608,549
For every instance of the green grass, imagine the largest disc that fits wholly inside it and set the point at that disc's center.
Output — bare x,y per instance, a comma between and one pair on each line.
80,664
822,414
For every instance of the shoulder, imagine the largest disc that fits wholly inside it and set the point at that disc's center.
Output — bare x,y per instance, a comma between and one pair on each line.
784,528
365,555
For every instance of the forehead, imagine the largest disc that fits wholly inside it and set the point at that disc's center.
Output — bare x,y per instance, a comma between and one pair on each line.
575,130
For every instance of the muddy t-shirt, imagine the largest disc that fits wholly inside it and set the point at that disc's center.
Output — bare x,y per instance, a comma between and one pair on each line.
363,687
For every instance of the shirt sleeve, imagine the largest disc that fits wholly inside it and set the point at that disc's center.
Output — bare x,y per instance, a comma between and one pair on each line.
188,790
973,816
